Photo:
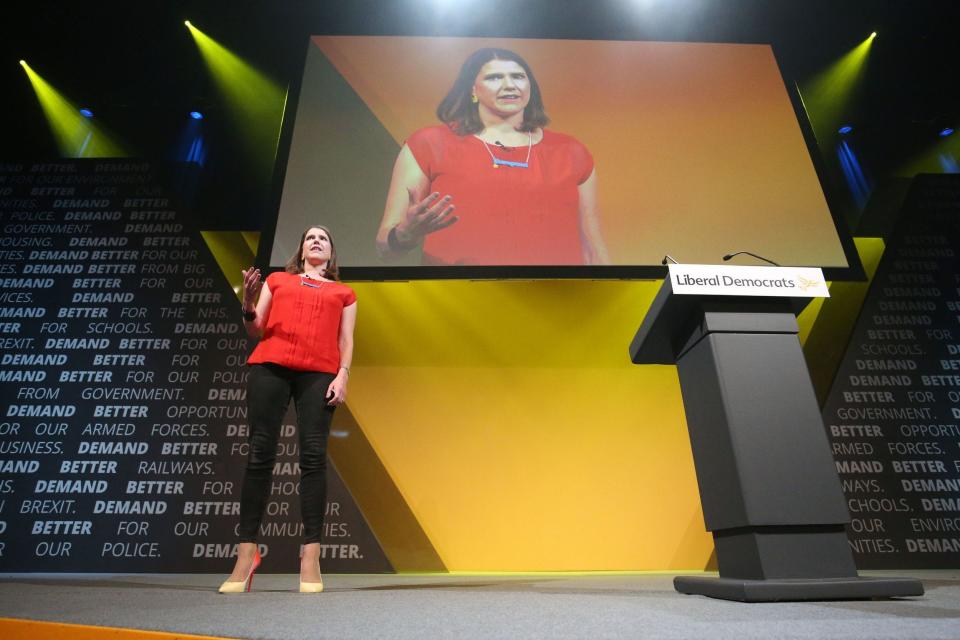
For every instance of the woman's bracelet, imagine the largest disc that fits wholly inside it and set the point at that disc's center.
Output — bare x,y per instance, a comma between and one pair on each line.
347,369
249,316
394,242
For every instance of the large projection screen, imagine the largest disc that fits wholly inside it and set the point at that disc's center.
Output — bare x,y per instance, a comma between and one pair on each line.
696,152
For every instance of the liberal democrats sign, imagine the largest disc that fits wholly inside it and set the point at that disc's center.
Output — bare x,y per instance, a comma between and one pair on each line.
726,280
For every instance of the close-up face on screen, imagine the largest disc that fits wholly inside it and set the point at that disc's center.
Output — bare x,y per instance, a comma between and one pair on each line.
479,152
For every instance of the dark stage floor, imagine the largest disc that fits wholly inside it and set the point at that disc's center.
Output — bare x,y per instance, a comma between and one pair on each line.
464,607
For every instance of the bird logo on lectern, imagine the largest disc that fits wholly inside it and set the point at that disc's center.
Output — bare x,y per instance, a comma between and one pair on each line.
808,284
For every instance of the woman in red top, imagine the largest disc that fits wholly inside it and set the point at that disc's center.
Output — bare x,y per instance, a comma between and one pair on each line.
304,318
491,186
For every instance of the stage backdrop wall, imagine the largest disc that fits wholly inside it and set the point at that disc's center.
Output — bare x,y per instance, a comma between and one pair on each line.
893,414
490,425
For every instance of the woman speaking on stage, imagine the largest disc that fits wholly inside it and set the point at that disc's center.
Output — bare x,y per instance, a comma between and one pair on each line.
304,318
490,185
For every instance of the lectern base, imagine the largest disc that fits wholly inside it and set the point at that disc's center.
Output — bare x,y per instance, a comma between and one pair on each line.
798,589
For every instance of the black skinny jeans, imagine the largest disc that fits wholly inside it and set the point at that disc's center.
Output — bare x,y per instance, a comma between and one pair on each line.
269,388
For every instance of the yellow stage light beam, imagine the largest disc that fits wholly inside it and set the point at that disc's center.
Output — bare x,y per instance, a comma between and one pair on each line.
255,101
75,135
828,96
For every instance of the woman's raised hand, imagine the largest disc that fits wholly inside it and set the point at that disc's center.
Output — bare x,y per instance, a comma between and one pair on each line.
251,287
427,216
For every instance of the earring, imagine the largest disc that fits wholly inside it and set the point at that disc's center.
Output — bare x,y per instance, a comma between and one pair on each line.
474,99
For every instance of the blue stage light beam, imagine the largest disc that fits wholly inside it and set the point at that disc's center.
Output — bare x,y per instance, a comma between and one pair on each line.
858,183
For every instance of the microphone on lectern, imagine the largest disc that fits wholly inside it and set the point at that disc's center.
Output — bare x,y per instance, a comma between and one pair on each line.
668,258
731,255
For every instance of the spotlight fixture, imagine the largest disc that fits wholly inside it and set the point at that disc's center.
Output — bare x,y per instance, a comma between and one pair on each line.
196,115
86,113
845,129
946,131
187,23
23,63
873,35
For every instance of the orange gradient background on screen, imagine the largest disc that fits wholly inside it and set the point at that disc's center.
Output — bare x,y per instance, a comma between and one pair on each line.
697,146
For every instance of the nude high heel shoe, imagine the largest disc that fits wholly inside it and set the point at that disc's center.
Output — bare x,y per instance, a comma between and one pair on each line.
311,587
242,586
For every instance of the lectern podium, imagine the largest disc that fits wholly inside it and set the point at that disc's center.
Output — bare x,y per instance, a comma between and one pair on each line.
768,485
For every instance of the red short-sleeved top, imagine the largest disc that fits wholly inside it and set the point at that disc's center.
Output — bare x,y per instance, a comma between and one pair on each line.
507,215
303,327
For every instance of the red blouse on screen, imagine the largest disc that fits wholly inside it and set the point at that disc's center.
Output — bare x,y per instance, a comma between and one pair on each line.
507,215
303,328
